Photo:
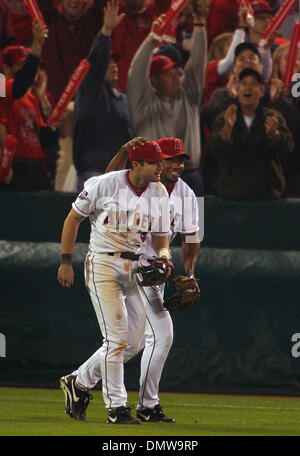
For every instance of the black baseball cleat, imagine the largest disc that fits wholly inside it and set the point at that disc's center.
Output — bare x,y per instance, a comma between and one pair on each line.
121,415
155,415
76,400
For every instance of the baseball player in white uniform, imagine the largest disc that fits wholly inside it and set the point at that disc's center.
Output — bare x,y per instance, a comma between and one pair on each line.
159,327
122,206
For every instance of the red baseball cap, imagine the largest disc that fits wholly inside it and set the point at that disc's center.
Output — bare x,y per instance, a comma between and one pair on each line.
260,6
161,63
14,54
149,152
173,147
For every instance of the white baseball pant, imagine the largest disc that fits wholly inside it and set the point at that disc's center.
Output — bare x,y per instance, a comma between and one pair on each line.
156,343
121,313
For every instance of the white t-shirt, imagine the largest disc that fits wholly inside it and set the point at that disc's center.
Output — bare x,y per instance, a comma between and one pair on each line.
120,215
249,121
184,215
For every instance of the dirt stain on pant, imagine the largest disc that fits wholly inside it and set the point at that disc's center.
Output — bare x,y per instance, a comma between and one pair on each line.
120,349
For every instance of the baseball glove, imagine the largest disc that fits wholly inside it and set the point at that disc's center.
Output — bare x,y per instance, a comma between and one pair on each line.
156,273
188,292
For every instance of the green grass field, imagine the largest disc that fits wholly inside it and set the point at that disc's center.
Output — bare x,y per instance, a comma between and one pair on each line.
40,412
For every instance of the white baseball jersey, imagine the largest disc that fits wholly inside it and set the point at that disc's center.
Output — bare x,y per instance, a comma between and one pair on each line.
159,328
120,215
184,215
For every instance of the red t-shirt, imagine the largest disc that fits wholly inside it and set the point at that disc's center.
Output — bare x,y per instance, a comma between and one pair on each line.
222,17
130,33
67,44
28,121
212,80
15,23
23,119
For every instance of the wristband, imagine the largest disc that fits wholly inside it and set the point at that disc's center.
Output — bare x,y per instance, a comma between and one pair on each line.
164,253
66,258
199,24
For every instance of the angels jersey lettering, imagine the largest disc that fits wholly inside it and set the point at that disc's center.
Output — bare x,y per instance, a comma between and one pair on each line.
119,215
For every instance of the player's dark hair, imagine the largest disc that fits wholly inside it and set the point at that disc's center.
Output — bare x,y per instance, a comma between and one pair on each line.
139,161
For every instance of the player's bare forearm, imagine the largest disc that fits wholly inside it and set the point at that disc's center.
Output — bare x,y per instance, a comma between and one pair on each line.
70,230
65,275
190,254
161,245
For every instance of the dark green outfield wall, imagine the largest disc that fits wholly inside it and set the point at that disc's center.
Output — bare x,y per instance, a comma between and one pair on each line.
258,225
242,337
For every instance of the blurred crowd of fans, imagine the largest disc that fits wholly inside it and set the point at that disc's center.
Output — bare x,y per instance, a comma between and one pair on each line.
211,84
